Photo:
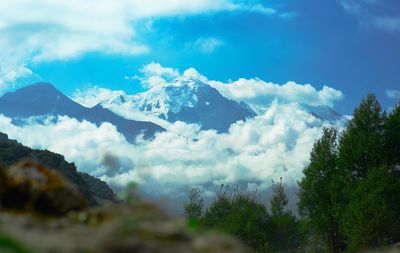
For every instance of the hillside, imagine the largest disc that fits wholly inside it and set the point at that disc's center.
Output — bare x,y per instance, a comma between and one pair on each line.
94,190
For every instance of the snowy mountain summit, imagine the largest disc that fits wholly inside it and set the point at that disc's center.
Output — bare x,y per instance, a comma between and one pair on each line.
188,100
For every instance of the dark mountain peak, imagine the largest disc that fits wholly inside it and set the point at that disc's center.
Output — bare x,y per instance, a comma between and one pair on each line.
37,99
39,87
44,92
43,85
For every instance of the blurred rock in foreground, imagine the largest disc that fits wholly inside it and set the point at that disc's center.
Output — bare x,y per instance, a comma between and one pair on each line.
120,228
31,187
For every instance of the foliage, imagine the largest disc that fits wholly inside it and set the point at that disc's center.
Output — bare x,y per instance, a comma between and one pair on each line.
392,137
372,216
317,194
351,189
243,215
194,208
361,144
9,245
239,214
279,200
284,229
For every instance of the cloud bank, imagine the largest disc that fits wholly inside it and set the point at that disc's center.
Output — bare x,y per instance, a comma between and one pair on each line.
267,147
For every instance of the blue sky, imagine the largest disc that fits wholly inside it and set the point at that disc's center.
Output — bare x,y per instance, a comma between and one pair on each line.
350,45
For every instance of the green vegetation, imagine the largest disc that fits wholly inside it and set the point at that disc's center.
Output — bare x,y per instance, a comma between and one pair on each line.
9,245
350,193
349,196
243,215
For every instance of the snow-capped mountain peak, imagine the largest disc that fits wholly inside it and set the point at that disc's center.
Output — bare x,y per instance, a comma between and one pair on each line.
186,99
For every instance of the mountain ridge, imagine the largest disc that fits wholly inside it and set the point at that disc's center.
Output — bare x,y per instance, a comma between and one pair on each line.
41,99
187,100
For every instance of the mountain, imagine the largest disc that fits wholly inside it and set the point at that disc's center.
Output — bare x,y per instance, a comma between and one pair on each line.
44,99
187,100
95,190
323,112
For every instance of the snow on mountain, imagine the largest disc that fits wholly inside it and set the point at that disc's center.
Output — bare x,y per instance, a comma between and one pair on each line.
188,100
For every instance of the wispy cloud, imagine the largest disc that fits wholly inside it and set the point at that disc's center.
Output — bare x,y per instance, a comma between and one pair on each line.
391,24
366,11
206,45
393,94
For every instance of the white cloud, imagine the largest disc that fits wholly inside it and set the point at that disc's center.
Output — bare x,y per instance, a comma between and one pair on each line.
10,72
206,45
394,94
154,74
37,31
271,145
260,9
95,95
259,93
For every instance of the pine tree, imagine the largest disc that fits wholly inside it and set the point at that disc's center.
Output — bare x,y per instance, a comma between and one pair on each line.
279,200
371,218
362,143
367,153
284,229
392,137
318,194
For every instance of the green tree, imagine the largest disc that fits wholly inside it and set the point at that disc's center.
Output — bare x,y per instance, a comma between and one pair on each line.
392,137
283,227
239,214
372,216
194,208
370,188
279,200
318,191
362,143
